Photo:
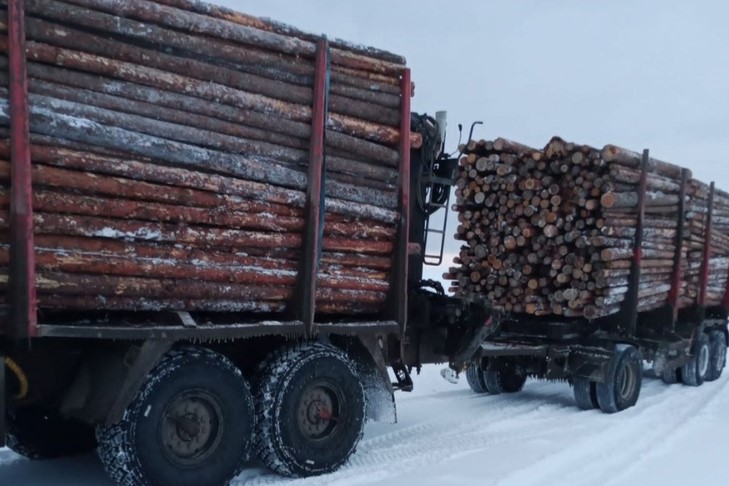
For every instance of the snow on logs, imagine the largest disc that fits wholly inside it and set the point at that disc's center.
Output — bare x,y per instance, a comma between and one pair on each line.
551,231
170,145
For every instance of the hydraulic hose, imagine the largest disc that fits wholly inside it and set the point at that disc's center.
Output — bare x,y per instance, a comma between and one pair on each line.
20,376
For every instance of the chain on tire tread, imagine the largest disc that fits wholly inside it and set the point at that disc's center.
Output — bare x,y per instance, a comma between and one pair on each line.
269,374
115,449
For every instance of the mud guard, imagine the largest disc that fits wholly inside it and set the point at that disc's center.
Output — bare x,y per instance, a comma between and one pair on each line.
372,368
108,382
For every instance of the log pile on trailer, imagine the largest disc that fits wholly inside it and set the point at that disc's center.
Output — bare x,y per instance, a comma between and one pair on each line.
553,231
170,147
707,204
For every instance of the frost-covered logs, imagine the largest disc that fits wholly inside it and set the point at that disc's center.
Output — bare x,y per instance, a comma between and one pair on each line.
170,150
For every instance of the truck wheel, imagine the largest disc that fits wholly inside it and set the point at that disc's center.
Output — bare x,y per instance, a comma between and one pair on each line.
585,394
717,357
671,376
694,372
499,381
475,379
191,424
38,434
311,409
623,381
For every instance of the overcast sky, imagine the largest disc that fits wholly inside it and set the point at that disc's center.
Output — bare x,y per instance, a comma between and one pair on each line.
641,74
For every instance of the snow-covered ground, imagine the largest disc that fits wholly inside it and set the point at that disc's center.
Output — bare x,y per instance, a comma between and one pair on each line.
449,436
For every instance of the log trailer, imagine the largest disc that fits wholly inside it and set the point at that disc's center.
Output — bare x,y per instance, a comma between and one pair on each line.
184,384
603,358
184,394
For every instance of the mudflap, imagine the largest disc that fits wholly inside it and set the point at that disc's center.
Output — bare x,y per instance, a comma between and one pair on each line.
372,369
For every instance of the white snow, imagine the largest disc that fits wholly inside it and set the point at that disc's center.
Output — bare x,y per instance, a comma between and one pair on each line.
449,436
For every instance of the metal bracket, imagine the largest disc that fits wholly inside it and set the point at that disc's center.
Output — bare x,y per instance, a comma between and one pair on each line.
186,319
402,374
467,353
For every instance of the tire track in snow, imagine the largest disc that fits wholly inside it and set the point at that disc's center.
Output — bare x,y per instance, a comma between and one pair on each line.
618,440
478,427
720,386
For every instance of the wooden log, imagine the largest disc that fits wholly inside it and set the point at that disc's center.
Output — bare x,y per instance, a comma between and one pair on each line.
628,158
630,199
153,13
168,176
98,227
333,263
62,36
120,265
255,125
48,122
268,25
209,91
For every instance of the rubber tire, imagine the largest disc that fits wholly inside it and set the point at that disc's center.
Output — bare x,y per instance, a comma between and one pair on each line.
498,382
585,394
717,357
38,434
690,372
130,450
671,376
284,376
608,396
475,379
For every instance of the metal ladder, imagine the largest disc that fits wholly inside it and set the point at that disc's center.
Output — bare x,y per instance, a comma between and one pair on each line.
435,259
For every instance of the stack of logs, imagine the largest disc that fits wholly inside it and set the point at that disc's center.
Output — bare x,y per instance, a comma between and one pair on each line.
170,145
552,231
697,217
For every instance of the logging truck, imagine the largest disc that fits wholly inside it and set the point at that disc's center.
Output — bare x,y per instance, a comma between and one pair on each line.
214,232
596,261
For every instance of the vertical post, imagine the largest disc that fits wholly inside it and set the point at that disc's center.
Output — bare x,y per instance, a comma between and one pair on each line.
304,303
21,284
3,427
631,302
399,291
706,256
678,264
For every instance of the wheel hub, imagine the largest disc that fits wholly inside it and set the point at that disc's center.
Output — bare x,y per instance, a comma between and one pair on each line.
316,414
703,360
626,381
192,428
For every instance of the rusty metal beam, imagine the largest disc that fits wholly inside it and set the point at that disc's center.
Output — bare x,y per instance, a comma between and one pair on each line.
678,260
706,254
22,295
399,291
305,295
630,305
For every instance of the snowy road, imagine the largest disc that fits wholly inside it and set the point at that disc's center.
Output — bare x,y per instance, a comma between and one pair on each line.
449,436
